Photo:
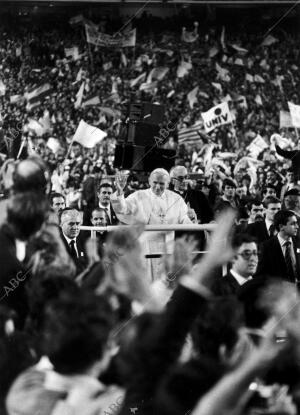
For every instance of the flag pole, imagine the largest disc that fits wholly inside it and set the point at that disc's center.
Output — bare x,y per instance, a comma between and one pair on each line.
69,149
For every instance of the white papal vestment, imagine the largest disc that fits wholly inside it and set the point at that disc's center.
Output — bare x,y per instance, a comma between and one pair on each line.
143,206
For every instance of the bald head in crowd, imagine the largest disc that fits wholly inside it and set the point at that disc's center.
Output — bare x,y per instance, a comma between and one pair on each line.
30,175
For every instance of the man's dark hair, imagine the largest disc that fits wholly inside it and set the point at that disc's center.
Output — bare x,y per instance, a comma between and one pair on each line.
255,202
26,213
270,199
282,217
54,195
30,175
268,186
76,329
228,182
106,184
242,238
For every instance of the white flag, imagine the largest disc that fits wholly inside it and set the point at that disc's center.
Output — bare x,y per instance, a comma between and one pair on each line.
259,79
157,73
258,100
87,135
183,69
269,40
2,88
53,144
36,127
257,146
249,77
79,96
140,78
213,51
285,120
216,116
295,114
223,73
192,97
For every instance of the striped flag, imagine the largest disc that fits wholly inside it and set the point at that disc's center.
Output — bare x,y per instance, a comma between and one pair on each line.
37,94
93,100
190,134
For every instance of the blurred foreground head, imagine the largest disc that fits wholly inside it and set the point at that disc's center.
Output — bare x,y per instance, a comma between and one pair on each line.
26,213
31,175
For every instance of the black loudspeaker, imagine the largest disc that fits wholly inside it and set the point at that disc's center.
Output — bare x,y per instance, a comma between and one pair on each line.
139,158
142,134
146,112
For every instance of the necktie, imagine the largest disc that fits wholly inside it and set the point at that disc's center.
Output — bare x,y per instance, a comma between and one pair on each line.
272,230
107,216
73,252
289,261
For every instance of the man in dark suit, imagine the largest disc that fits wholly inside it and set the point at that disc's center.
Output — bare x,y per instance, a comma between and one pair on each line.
264,230
195,198
244,266
279,256
104,193
70,222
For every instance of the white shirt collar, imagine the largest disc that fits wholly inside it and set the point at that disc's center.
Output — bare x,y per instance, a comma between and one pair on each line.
69,240
241,280
20,250
283,241
268,224
104,207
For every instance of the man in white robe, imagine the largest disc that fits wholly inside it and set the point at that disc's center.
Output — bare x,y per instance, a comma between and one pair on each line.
153,206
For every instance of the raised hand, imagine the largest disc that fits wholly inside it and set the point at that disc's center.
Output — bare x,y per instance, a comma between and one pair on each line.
120,182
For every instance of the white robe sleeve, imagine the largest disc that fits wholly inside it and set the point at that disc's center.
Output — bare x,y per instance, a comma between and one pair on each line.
183,216
127,210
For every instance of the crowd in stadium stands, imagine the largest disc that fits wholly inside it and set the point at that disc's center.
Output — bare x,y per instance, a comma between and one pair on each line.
90,325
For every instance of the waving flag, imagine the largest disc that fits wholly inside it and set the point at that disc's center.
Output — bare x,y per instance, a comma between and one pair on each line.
295,114
216,116
87,135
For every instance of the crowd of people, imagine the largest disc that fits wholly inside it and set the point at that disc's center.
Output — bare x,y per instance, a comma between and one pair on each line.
119,320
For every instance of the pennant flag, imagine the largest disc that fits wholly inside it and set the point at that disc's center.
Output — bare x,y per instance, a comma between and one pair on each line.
213,51
285,120
14,99
129,39
45,121
217,86
36,95
148,87
203,94
75,20
2,88
239,49
257,146
92,101
87,135
223,73
222,39
216,116
72,53
269,40
53,144
79,75
140,78
157,73
258,100
190,37
295,114
249,78
183,69
192,97
123,59
79,96
111,112
190,134
259,79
